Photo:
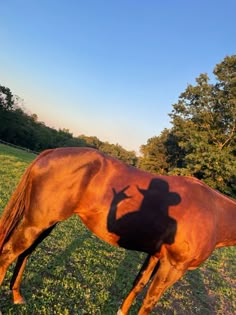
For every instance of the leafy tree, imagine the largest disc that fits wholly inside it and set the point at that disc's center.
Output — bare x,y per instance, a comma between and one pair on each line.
202,140
154,154
114,150
6,99
204,122
119,152
93,141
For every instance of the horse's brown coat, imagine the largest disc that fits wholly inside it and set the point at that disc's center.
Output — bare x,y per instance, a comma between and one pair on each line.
177,220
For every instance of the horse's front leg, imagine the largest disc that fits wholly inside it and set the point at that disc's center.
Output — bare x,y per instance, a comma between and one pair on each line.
166,275
141,280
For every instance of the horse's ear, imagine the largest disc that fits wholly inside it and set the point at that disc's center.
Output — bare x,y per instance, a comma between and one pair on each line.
114,191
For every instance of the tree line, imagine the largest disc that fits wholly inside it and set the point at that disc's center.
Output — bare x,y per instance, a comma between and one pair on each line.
23,129
200,143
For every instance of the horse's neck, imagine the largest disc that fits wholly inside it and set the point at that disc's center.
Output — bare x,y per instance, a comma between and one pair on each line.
226,221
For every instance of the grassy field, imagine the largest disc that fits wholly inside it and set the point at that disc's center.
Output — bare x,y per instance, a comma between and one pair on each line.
73,272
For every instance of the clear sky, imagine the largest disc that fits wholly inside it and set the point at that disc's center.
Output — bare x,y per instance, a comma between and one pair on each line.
110,68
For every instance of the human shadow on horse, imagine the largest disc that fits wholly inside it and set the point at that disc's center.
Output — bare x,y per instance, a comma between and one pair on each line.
147,228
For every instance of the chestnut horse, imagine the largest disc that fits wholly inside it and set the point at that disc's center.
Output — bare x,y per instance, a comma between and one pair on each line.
178,221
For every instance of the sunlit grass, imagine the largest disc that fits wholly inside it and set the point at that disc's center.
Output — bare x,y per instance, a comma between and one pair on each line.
73,272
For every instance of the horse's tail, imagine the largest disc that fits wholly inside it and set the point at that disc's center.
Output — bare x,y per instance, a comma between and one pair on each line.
14,210
19,201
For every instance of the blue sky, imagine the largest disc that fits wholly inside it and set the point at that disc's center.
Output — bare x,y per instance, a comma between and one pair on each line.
110,68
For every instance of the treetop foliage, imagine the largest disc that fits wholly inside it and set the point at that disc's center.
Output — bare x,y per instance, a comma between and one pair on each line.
202,140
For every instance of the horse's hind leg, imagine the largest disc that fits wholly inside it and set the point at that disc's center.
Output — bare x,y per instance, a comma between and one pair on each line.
21,239
16,279
20,266
141,280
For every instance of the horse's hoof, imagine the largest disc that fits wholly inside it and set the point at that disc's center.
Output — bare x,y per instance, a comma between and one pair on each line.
19,301
120,312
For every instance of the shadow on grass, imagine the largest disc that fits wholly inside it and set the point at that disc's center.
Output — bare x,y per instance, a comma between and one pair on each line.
203,302
188,296
126,273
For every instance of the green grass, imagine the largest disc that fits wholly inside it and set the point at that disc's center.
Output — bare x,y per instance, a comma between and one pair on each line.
73,272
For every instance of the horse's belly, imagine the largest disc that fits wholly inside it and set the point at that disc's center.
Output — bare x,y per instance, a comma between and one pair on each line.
96,222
